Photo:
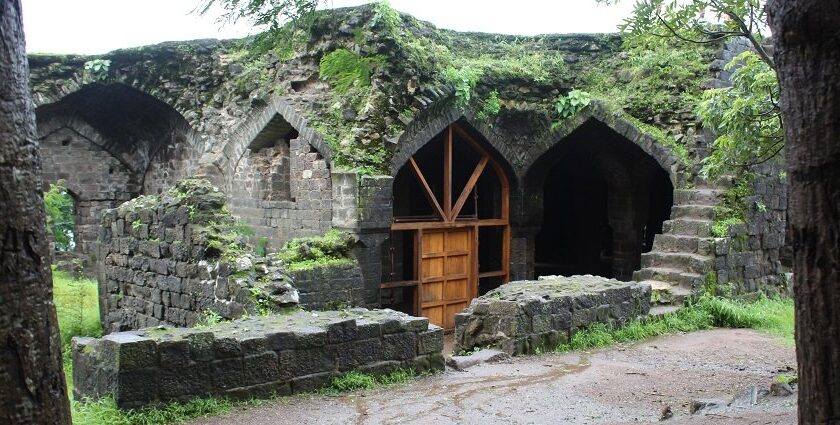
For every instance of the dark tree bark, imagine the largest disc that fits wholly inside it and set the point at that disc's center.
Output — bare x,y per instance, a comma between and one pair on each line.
32,388
807,40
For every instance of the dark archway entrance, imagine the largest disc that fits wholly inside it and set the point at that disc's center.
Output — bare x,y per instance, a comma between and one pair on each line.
450,236
603,200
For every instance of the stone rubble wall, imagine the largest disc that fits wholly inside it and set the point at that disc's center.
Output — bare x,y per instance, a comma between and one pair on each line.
260,356
301,207
755,256
330,287
156,267
526,317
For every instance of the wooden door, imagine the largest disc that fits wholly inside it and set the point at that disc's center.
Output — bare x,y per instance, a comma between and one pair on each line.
447,278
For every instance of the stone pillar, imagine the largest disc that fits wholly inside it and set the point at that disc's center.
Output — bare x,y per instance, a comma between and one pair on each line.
363,206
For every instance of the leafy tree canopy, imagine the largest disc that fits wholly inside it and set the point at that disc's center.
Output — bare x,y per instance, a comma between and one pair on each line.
746,115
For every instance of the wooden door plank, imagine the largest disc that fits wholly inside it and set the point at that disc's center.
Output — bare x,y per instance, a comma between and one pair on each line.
447,175
465,194
430,196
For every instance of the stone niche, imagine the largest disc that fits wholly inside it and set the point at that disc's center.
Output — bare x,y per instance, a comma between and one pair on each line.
525,317
254,357
169,259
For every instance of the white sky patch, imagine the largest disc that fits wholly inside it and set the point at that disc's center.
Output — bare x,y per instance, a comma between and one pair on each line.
99,26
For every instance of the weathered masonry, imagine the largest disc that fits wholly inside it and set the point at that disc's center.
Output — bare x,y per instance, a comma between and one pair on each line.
256,357
448,197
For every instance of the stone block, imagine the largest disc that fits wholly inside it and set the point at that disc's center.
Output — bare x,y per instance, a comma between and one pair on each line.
201,346
400,346
430,341
227,373
342,331
184,382
133,351
261,368
174,353
136,387
224,348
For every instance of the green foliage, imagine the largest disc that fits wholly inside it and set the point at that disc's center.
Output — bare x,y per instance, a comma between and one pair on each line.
61,220
732,209
355,380
745,117
652,81
261,248
97,69
105,411
720,228
332,248
490,107
773,315
786,378
346,69
463,80
385,16
77,306
209,318
569,105
352,381
284,21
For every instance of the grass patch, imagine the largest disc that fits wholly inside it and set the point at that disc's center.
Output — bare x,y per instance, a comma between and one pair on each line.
77,306
355,380
773,315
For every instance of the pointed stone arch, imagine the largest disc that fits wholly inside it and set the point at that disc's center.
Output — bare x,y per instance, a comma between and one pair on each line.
594,191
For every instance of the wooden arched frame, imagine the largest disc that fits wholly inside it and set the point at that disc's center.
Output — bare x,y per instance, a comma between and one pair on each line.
446,268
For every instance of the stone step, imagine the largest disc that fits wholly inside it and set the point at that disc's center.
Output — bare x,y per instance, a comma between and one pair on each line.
688,227
663,293
663,310
666,242
674,276
702,196
702,212
693,263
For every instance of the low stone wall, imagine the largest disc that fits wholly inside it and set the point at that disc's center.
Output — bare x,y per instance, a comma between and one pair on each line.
330,287
528,316
261,356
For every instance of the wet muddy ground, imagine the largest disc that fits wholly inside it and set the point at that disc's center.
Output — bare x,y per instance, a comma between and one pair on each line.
623,384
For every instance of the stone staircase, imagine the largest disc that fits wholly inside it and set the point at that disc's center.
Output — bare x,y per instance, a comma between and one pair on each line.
684,252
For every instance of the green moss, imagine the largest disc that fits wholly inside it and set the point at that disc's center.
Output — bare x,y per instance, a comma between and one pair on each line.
331,249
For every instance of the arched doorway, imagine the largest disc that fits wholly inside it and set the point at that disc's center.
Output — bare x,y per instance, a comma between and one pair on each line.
603,199
450,236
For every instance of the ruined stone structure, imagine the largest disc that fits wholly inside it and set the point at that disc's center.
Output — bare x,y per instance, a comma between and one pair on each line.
447,201
527,317
257,357
173,258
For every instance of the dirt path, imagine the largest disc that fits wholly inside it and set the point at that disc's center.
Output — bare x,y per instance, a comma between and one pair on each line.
620,385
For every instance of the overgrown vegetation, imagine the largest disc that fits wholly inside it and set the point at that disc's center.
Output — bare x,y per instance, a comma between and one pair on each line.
745,116
77,306
355,381
346,69
332,248
773,315
573,102
61,219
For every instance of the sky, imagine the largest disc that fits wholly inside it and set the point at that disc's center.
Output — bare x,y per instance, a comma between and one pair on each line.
100,26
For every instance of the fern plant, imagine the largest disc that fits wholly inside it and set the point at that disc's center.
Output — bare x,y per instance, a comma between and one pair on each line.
345,69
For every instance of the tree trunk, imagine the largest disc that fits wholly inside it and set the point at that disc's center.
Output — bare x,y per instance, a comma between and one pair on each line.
32,388
807,39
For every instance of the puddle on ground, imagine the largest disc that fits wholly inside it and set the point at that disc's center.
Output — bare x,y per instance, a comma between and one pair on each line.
457,394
